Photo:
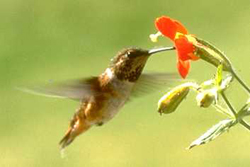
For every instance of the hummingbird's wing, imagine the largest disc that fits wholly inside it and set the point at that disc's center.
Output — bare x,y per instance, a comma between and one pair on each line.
74,89
152,82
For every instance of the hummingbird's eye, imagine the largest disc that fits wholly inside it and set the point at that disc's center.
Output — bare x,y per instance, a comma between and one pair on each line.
130,54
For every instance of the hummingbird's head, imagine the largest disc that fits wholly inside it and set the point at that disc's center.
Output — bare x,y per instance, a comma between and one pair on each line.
129,63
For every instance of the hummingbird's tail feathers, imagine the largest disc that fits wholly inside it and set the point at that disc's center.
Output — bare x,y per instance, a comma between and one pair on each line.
66,140
70,136
78,125
74,89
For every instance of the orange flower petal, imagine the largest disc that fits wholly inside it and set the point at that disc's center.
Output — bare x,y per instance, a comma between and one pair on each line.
180,28
166,26
183,67
184,48
193,56
174,30
169,27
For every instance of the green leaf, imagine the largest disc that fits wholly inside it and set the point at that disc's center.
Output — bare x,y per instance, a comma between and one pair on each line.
226,82
213,132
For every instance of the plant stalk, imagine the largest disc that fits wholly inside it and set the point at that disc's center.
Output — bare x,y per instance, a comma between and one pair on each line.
240,81
245,124
229,104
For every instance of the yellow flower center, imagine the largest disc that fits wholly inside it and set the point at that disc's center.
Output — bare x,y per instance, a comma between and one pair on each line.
189,37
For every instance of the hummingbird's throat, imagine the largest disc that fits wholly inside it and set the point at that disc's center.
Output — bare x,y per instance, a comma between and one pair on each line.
129,73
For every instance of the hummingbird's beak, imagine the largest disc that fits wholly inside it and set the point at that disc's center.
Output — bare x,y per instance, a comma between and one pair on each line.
153,51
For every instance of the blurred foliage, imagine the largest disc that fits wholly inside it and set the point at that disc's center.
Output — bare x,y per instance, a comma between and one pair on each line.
64,39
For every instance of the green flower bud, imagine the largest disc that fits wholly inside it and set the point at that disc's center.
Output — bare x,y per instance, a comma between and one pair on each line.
170,101
206,98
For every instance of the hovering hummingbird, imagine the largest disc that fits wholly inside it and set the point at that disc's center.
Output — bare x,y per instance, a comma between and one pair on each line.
102,97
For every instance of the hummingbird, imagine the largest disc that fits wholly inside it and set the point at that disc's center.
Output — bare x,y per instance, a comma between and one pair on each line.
102,97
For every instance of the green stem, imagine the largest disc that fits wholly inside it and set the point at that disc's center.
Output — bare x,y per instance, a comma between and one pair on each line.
229,104
240,81
223,111
243,111
245,124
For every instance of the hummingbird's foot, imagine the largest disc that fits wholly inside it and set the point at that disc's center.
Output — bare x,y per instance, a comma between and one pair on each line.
100,124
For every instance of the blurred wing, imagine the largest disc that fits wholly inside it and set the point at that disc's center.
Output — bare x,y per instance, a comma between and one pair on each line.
75,89
153,82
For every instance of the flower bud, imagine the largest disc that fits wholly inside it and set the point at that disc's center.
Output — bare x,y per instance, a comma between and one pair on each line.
206,98
211,54
170,101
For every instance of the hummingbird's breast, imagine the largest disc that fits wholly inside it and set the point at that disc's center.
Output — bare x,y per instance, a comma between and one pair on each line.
121,91
111,96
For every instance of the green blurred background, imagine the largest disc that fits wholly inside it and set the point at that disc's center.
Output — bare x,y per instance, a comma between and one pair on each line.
42,40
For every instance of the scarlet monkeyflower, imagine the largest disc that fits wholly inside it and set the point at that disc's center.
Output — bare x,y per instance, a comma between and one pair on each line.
183,41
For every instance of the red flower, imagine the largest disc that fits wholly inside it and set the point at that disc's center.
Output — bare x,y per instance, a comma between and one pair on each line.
183,42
